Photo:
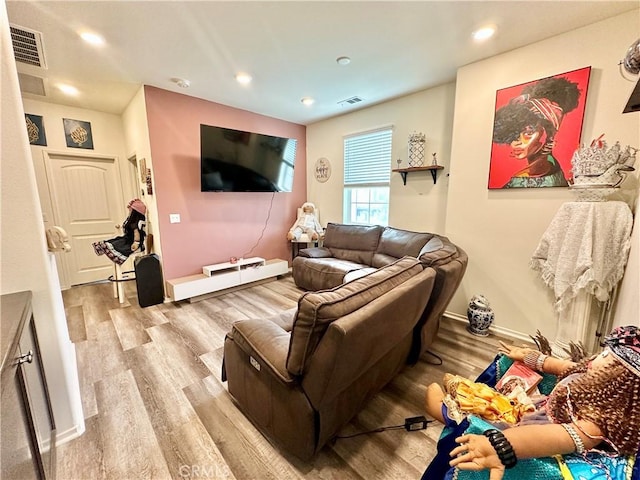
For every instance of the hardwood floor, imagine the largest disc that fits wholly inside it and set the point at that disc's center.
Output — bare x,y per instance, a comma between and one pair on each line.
155,406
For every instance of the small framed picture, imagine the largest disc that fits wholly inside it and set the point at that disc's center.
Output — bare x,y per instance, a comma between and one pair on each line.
78,133
143,170
35,130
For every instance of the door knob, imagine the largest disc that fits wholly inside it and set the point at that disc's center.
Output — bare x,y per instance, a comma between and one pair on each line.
25,358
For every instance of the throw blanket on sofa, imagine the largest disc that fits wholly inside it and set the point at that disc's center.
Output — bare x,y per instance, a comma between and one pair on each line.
585,247
594,466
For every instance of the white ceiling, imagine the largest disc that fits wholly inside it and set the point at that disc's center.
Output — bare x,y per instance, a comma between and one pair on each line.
290,48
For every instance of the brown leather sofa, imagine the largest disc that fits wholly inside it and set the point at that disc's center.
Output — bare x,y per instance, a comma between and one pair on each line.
350,251
301,376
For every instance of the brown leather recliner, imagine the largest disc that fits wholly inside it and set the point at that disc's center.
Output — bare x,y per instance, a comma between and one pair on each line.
303,375
349,251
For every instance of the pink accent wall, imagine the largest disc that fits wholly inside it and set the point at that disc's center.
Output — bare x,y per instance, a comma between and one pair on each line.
214,225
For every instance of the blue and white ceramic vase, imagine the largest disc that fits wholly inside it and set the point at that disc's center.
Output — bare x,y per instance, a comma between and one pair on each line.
480,316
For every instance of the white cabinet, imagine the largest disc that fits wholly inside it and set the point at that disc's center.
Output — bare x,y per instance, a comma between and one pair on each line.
222,276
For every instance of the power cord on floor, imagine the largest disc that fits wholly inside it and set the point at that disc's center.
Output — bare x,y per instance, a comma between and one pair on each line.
438,358
411,424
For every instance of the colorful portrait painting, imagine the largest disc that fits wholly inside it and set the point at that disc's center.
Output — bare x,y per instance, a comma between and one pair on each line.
537,127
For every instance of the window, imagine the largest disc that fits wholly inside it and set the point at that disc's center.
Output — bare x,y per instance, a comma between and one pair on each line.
367,171
285,175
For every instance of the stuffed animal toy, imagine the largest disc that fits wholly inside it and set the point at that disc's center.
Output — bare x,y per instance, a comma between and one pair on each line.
306,223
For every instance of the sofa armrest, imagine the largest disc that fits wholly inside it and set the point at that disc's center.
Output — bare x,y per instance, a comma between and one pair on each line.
437,251
315,252
266,343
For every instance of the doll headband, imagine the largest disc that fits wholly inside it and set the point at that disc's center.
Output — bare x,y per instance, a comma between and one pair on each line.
137,205
624,343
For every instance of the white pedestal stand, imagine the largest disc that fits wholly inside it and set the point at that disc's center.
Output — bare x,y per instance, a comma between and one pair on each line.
581,257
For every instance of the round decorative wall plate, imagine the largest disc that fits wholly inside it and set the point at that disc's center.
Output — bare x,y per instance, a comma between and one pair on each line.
322,170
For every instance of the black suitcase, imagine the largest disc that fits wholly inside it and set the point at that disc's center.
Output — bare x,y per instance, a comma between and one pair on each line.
149,280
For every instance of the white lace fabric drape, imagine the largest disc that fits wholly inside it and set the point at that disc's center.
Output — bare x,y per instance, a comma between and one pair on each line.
585,247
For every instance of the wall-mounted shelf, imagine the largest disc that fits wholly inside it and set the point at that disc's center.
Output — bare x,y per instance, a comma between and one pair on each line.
432,168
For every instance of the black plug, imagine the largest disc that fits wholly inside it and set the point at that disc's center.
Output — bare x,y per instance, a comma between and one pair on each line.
413,424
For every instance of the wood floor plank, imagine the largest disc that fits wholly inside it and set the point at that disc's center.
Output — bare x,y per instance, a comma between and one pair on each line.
129,441
184,442
234,434
185,363
75,322
82,458
130,330
88,375
203,331
109,355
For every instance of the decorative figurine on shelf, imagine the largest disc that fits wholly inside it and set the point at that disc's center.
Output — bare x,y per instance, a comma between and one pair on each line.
416,149
118,249
306,223
434,162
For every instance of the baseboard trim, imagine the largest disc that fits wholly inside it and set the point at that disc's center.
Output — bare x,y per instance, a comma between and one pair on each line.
495,329
69,434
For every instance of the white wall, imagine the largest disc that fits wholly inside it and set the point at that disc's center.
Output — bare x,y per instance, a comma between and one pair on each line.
136,130
500,229
420,205
26,264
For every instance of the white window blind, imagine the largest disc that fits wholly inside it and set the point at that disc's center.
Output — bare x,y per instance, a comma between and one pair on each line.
367,158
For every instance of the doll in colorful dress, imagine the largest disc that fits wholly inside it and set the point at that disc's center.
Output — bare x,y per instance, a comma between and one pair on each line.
595,406
118,249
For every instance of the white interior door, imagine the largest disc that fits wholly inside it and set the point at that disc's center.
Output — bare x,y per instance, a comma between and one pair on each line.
86,195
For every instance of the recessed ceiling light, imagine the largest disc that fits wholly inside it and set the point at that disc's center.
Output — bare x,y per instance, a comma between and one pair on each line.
181,82
92,38
307,101
67,89
343,60
243,78
484,33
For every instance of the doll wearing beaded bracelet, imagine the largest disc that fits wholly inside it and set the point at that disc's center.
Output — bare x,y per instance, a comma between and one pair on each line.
596,403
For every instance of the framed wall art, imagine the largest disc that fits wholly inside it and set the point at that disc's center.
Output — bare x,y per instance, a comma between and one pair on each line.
35,130
537,127
322,170
78,133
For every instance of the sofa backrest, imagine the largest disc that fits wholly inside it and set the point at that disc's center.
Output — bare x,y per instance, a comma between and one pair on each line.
361,351
396,243
317,310
356,243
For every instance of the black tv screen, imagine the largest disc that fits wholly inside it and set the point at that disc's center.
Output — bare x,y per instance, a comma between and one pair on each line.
238,161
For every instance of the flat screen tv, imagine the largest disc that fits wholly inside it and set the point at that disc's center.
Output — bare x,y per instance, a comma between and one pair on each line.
238,161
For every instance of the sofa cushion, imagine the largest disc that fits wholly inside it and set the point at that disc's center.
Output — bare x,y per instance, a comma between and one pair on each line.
355,243
437,251
322,273
317,310
396,243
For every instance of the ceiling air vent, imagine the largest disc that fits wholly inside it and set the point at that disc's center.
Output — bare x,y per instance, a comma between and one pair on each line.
350,101
32,84
27,46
